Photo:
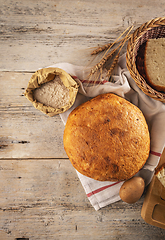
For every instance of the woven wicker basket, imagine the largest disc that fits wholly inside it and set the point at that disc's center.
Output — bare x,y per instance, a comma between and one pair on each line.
135,54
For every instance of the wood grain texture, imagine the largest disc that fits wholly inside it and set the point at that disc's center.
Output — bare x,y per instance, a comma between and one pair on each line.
43,199
25,131
36,34
153,209
41,196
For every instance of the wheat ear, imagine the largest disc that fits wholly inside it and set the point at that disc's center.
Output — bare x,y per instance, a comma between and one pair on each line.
107,55
101,49
105,47
110,45
118,54
113,65
105,59
117,39
102,62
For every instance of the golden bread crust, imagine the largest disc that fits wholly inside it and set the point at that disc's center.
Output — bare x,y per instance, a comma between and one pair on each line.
107,138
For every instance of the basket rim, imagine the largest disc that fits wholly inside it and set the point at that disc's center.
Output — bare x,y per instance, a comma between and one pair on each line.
131,57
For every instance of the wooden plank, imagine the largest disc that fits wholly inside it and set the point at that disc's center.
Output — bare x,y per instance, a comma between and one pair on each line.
44,199
25,131
36,34
153,209
40,196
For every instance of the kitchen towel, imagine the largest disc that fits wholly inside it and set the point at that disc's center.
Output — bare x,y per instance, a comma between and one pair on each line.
99,193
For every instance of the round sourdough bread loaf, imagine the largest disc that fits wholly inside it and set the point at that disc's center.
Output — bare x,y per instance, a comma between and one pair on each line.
107,138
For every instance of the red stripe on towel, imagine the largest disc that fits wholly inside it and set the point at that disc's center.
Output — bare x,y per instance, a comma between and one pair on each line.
101,189
92,82
155,153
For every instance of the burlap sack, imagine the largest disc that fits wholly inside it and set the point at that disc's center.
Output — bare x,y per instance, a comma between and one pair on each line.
45,75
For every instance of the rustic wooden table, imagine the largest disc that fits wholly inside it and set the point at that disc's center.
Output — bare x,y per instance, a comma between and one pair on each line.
41,196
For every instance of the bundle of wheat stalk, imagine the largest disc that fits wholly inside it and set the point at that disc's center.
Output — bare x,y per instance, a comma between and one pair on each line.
111,53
